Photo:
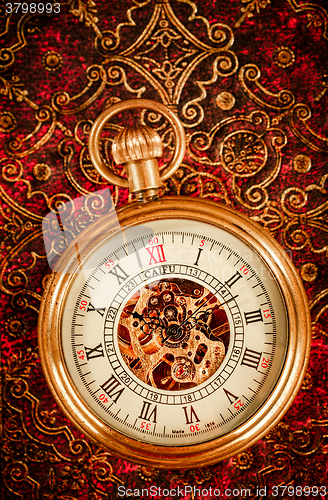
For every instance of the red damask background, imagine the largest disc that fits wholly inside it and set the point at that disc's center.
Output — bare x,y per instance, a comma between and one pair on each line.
249,80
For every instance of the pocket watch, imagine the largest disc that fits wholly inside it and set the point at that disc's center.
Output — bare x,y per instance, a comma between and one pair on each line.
180,335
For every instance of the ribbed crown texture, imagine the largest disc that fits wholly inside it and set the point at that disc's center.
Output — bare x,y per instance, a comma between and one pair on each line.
136,143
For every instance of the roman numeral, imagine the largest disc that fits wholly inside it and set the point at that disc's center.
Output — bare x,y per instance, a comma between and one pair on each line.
251,358
100,310
147,412
156,254
198,256
253,316
232,398
119,273
190,417
231,281
110,387
94,352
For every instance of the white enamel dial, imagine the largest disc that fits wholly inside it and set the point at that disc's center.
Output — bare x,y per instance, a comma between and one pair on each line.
174,333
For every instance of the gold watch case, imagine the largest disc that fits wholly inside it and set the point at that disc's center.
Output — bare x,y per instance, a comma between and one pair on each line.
269,411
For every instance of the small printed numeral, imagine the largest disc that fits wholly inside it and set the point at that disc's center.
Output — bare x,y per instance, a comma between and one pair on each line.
109,264
83,305
81,354
238,404
244,270
267,313
265,363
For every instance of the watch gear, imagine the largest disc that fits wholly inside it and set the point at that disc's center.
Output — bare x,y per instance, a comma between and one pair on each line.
173,334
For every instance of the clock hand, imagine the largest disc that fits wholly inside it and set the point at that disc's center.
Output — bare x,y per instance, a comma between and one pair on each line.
175,328
222,304
136,315
146,321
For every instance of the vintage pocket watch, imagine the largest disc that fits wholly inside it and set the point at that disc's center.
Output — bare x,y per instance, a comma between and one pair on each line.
181,337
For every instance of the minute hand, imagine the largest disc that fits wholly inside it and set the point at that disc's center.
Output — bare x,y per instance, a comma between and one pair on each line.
222,304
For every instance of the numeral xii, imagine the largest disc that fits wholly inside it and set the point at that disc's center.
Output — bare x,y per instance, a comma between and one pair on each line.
156,253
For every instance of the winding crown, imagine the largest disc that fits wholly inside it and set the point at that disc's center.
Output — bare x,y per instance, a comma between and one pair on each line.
136,143
138,147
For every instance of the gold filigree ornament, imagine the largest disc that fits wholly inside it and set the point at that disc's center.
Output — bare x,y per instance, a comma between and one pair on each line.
7,122
307,382
244,460
166,54
41,171
302,163
45,439
290,446
147,473
284,57
300,123
85,12
324,84
246,144
249,78
302,222
317,15
319,307
176,332
189,181
52,60
15,326
249,7
225,101
309,272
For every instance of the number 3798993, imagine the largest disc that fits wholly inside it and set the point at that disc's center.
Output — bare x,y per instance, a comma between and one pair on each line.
32,8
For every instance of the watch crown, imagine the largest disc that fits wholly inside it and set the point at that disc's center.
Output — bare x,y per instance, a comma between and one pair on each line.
136,143
138,147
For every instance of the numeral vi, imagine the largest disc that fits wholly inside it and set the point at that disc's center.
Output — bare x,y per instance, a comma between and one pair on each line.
192,415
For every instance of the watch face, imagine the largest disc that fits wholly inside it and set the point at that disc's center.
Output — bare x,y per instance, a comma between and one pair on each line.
177,342
174,332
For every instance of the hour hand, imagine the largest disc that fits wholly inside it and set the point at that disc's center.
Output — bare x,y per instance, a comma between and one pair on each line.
136,315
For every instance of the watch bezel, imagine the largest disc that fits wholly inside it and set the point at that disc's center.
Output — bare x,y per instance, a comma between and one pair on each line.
268,414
